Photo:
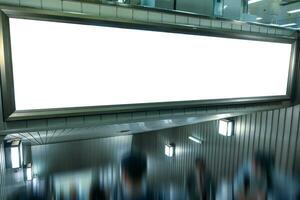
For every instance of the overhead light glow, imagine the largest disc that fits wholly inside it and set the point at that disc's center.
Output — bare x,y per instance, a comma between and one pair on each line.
15,157
195,139
253,1
287,25
226,127
169,150
293,11
259,18
225,6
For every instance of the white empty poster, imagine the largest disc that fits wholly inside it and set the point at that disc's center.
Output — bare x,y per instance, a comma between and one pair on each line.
57,65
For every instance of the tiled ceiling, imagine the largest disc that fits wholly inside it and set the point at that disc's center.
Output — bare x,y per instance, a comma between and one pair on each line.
276,12
100,131
270,12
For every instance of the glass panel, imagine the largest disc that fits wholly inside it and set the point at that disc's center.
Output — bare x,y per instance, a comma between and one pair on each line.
57,65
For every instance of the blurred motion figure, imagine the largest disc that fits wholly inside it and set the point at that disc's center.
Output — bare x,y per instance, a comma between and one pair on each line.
97,191
258,179
133,179
199,184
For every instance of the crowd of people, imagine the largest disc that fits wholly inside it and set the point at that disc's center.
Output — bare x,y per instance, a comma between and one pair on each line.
256,180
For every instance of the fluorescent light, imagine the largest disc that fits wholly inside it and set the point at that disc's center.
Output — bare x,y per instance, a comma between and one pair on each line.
195,139
15,158
253,1
170,150
222,127
259,18
229,128
225,6
290,24
225,127
293,11
274,24
29,173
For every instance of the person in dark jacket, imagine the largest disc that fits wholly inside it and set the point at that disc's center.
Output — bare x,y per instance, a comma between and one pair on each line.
133,184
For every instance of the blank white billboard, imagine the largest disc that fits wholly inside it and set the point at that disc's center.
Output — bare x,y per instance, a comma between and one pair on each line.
58,65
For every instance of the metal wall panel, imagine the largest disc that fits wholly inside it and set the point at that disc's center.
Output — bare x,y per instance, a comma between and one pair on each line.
2,170
275,131
77,155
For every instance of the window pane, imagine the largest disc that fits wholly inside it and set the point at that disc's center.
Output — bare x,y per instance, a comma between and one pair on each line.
58,65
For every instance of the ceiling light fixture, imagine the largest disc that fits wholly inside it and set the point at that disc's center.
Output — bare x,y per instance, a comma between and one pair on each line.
274,24
13,154
253,1
15,157
293,11
287,25
195,139
226,127
170,150
259,18
29,172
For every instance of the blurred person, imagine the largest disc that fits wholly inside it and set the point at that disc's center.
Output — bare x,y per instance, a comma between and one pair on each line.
224,191
73,192
133,179
61,195
97,193
258,179
199,183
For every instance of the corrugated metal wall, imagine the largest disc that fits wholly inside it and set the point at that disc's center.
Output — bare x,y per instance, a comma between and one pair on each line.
2,169
77,155
273,131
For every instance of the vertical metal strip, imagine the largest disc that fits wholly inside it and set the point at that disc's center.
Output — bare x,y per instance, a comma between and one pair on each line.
293,139
286,138
279,138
